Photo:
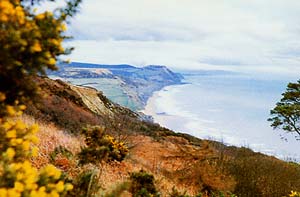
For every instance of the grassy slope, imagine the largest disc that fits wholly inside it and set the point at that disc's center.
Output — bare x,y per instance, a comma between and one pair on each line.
176,160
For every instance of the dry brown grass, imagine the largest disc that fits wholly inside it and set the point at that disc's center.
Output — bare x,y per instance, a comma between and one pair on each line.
174,162
52,137
158,158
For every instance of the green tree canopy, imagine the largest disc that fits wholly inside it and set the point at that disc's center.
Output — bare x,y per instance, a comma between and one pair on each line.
286,114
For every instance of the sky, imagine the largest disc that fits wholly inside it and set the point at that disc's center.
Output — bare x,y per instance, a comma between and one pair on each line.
239,35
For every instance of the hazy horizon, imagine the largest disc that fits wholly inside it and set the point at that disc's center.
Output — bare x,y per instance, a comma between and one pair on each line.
245,36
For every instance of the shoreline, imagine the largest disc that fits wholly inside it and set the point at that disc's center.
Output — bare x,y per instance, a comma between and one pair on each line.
182,124
163,118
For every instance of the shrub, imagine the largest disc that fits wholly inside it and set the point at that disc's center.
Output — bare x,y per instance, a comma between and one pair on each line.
30,43
85,184
260,175
294,194
101,147
17,175
142,184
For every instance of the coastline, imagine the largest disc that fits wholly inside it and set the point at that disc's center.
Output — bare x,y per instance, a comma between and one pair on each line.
181,121
164,119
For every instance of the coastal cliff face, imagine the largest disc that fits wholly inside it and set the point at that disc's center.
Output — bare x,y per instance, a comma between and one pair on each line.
176,160
74,107
124,84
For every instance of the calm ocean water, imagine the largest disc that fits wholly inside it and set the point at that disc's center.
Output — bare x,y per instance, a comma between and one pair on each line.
227,107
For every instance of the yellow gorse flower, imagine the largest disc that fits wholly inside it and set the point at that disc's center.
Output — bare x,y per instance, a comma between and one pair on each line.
60,186
51,171
52,61
11,13
10,110
10,153
19,148
24,33
40,16
6,9
36,47
294,194
11,134
19,187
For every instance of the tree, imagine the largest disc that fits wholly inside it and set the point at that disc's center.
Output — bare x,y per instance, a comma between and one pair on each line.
286,114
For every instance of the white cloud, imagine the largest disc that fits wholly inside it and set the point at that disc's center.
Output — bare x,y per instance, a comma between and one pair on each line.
191,34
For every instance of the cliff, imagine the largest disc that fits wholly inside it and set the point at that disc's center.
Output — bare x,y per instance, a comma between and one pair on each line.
124,84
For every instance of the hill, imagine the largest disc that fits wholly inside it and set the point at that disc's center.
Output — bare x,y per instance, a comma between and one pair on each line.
124,84
179,162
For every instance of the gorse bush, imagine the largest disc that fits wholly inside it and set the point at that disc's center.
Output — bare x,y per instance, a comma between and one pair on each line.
17,175
101,147
31,42
294,194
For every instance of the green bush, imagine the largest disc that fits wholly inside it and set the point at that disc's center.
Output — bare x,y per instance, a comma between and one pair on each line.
101,147
142,184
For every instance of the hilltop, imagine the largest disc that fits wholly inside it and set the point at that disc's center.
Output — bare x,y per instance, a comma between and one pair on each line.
177,161
124,84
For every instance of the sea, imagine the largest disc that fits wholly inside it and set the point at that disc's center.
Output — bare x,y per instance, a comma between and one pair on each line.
229,107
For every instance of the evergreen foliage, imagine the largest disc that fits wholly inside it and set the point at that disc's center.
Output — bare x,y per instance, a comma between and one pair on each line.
286,114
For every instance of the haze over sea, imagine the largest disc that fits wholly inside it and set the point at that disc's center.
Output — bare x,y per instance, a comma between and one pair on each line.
228,107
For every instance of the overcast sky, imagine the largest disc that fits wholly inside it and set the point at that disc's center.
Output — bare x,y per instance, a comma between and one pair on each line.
242,35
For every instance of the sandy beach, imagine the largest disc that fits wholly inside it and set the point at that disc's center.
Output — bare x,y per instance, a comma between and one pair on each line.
164,119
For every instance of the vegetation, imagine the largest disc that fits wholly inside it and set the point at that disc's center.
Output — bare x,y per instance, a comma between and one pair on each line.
286,114
192,165
30,43
142,184
259,175
85,184
18,176
101,147
294,194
